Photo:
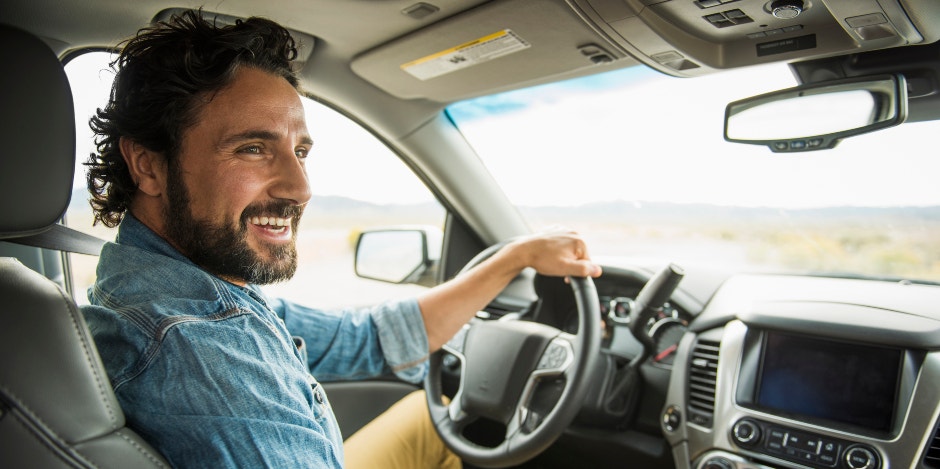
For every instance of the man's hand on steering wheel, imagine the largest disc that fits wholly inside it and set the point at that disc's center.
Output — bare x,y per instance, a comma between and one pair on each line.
502,362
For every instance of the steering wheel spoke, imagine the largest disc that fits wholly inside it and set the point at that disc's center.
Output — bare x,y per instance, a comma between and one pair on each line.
556,359
458,416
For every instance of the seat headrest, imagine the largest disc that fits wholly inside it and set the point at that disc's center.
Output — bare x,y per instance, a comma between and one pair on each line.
37,157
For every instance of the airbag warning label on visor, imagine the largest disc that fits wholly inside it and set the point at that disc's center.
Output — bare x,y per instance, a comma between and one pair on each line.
465,55
786,45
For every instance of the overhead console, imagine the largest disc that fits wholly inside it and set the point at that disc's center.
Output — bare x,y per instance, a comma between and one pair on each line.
502,44
695,37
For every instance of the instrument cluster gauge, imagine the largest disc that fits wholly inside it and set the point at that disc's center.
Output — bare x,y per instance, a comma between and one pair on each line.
666,330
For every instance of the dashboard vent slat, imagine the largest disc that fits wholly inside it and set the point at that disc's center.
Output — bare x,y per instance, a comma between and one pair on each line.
703,378
932,453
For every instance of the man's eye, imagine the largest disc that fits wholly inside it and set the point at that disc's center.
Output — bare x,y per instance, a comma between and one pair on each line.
301,152
253,149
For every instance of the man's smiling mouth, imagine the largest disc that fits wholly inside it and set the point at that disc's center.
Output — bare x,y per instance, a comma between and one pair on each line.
276,224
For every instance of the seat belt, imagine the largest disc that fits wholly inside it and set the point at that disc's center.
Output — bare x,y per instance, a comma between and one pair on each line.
62,238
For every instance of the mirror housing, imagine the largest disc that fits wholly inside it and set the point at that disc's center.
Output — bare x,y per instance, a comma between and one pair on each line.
819,115
399,255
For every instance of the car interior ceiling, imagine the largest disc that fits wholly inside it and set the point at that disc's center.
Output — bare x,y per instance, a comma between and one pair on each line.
587,37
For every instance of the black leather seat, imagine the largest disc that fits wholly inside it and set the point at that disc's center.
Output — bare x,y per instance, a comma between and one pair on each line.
57,408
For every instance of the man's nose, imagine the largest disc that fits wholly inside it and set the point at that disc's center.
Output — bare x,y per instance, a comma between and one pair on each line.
291,181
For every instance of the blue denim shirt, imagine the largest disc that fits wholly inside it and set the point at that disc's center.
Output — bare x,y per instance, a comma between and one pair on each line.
216,375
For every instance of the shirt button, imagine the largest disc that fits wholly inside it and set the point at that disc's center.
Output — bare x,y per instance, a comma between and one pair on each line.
318,395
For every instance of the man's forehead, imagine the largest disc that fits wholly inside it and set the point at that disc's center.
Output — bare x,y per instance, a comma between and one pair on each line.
256,101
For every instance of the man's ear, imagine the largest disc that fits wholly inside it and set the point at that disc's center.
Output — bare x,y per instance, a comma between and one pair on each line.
148,168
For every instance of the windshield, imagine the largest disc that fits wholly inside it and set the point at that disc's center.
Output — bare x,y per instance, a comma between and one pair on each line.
636,162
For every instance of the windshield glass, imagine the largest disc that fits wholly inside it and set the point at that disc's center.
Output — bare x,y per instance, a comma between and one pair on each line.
636,162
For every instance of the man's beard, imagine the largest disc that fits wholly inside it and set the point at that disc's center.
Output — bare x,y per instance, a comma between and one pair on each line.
222,249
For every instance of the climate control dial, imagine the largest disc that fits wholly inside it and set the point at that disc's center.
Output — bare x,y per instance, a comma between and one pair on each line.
745,433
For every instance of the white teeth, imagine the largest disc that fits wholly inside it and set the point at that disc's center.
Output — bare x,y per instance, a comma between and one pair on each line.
272,221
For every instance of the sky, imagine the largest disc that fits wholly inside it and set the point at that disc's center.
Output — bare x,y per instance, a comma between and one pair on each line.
627,135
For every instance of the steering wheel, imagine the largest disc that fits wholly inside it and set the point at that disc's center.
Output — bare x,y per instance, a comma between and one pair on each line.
502,363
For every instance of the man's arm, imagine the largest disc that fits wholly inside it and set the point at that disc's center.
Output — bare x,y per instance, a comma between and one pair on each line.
447,307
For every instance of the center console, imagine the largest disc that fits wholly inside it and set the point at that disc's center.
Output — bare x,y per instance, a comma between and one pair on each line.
798,398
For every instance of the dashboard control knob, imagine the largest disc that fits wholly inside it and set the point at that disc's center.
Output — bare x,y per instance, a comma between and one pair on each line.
745,433
860,457
717,463
672,418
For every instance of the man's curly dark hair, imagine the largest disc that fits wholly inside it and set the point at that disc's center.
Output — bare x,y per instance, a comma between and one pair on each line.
164,76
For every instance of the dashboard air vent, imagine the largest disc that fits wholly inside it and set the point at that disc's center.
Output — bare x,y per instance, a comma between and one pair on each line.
703,377
932,453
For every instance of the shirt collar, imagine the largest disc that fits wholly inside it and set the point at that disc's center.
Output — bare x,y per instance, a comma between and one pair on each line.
132,232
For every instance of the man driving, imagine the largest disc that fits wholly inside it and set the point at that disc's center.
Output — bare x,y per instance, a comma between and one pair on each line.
200,163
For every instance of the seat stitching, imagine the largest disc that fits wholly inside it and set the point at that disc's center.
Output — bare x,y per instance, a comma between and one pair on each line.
41,429
73,310
139,448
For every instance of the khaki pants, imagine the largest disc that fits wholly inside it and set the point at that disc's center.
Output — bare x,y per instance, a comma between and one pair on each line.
403,437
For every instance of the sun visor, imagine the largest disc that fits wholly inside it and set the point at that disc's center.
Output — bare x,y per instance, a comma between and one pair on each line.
494,47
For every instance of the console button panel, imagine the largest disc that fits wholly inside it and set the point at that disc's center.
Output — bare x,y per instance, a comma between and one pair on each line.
803,447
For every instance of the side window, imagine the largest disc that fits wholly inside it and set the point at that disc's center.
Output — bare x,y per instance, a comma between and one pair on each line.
90,77
357,184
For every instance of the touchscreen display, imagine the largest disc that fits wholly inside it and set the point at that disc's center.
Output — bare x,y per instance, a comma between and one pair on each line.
835,381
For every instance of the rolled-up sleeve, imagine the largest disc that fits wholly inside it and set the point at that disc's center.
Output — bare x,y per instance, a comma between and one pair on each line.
404,339
363,343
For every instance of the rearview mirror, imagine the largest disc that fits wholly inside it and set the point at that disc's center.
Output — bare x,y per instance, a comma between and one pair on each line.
819,115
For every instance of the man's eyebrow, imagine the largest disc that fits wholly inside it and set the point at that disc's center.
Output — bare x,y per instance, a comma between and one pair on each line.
258,134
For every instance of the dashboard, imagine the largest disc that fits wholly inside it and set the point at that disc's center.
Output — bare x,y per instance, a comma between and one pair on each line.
805,372
760,371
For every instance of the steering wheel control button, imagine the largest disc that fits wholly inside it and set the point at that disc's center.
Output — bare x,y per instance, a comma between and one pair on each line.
745,433
554,357
672,418
860,457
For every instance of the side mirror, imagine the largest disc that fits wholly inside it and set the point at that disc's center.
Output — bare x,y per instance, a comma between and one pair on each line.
399,255
819,115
